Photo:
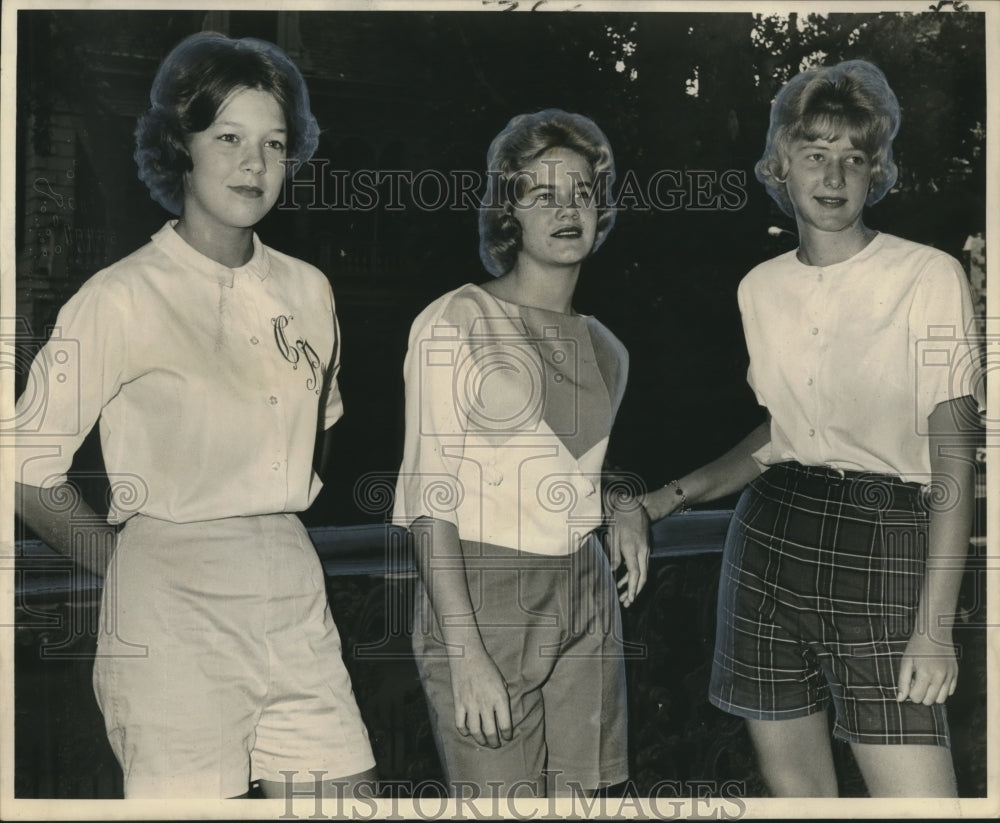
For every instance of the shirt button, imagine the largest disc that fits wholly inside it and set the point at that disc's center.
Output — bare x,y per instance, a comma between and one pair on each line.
254,340
819,276
812,432
272,400
814,330
809,382
275,466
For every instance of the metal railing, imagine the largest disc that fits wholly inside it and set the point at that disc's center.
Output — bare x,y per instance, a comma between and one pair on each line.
368,549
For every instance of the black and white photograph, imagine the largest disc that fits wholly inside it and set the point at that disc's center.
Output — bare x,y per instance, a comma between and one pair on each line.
498,409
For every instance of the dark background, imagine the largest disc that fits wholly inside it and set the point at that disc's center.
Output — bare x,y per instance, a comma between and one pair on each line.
428,91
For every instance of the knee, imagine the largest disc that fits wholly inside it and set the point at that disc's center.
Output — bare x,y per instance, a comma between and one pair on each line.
794,756
786,779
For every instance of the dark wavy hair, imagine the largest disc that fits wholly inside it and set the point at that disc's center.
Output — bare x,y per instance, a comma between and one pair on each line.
852,97
525,138
190,87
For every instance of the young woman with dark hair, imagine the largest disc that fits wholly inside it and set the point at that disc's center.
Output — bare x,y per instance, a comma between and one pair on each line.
211,362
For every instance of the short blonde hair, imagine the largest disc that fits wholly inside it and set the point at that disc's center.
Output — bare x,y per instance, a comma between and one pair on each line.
525,138
852,97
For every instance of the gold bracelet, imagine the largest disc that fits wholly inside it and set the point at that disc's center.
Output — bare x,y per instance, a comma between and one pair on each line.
684,507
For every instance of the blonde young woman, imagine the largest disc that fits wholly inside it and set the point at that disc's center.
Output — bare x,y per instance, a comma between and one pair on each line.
510,398
843,561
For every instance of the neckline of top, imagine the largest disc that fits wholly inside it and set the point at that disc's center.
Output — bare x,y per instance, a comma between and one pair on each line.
572,315
870,248
175,245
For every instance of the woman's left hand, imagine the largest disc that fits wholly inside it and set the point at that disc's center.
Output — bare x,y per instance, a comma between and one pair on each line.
928,672
628,540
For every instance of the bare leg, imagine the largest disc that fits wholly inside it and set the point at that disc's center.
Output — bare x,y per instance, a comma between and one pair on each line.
795,755
906,771
338,787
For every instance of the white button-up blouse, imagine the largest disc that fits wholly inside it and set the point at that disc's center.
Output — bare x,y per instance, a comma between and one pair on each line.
851,359
210,383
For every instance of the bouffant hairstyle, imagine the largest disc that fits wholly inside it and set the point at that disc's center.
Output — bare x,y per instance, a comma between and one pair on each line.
851,98
525,138
190,87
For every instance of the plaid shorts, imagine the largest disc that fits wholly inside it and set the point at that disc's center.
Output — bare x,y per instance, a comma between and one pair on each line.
822,572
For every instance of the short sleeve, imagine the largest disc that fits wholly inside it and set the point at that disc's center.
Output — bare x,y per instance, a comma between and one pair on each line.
75,374
945,352
332,404
428,484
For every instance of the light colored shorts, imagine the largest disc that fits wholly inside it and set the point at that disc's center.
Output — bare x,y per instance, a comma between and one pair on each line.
553,627
218,661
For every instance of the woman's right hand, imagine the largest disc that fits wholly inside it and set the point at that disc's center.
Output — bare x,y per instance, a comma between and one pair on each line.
482,705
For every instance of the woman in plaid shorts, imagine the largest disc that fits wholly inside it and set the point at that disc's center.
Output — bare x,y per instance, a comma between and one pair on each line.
843,561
